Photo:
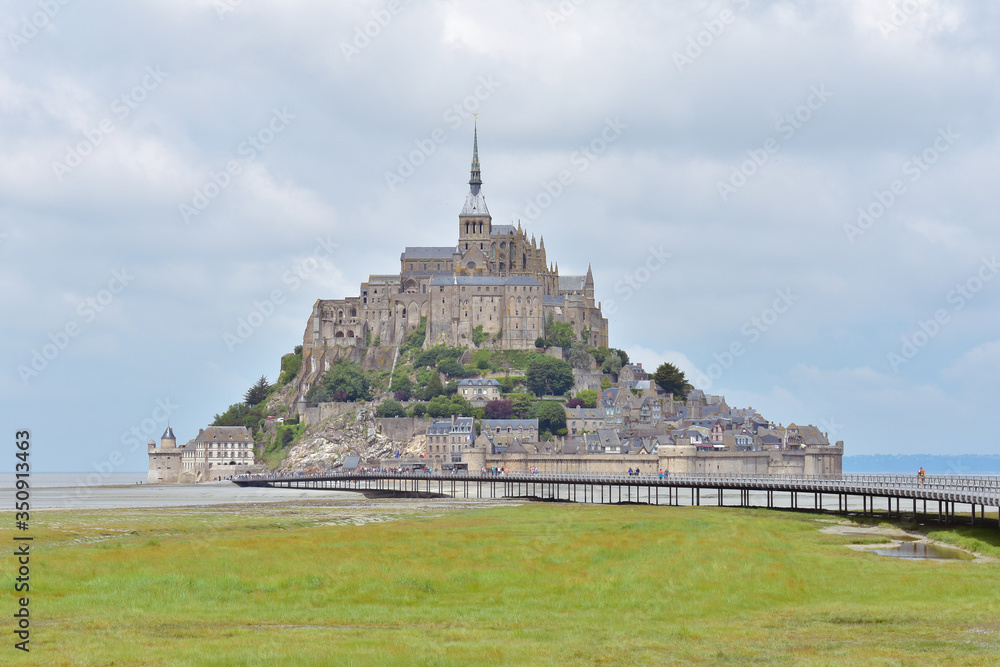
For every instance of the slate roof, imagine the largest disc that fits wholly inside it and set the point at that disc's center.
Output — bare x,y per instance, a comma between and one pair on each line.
475,204
418,253
572,283
584,413
483,280
502,230
478,382
514,424
226,433
522,280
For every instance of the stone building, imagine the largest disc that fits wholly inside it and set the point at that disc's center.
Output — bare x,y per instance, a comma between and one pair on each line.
165,462
218,451
495,282
479,391
448,440
506,431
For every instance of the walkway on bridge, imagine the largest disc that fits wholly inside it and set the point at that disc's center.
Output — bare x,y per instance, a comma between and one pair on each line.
947,491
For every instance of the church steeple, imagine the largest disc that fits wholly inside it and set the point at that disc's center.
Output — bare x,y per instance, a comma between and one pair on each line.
475,179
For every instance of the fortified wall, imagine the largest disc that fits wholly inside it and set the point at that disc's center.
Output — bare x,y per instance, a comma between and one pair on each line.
680,460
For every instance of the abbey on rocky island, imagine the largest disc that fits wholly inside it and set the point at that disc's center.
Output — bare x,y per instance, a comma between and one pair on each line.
495,285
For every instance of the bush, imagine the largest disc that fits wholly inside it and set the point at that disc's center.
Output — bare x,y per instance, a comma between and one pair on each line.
415,340
551,415
574,403
433,356
401,387
547,375
452,369
291,364
345,381
419,410
481,359
390,408
589,397
478,335
499,409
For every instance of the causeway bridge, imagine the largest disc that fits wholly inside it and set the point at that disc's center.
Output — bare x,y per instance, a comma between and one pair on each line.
869,495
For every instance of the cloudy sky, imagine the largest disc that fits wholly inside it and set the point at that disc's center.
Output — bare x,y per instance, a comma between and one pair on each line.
794,201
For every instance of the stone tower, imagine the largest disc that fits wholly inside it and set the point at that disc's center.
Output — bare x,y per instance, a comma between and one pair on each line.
165,462
474,222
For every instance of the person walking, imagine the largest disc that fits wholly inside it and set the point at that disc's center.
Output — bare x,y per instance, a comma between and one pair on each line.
921,474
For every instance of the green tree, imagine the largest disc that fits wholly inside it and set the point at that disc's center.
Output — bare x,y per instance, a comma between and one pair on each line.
599,354
671,380
623,355
434,387
520,404
401,387
291,364
452,368
561,334
234,416
605,383
419,410
551,415
589,397
612,364
258,392
539,342
344,381
578,357
478,335
548,375
390,408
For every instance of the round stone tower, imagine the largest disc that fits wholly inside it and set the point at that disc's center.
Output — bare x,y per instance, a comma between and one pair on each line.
167,440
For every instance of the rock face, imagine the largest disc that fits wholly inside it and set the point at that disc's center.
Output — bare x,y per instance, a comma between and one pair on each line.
355,433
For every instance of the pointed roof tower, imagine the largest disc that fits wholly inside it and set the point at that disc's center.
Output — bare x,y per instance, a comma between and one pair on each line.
475,202
589,281
475,177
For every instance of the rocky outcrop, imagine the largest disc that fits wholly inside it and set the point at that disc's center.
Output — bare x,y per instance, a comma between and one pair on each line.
355,433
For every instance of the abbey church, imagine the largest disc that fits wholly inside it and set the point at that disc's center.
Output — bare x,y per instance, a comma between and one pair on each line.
495,277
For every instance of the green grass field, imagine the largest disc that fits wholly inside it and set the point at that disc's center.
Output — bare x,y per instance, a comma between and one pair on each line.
530,584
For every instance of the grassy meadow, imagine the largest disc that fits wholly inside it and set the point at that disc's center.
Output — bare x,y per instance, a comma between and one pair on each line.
528,584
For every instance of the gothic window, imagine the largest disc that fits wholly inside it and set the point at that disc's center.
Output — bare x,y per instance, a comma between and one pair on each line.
470,266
